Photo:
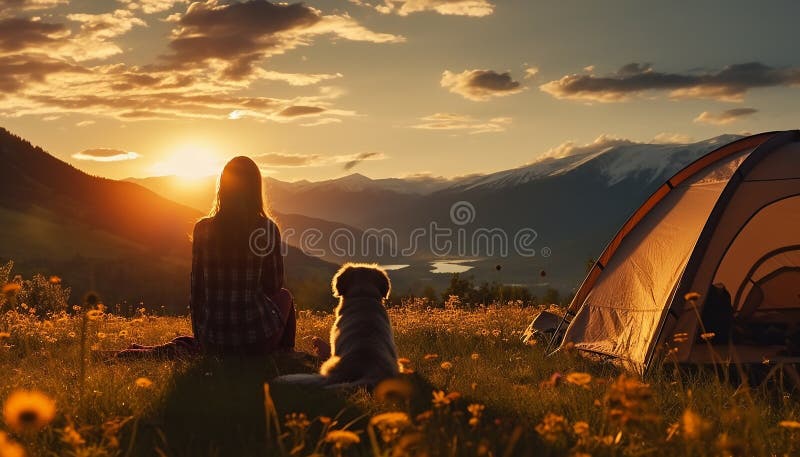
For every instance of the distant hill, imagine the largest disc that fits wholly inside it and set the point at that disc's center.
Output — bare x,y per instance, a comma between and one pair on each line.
117,238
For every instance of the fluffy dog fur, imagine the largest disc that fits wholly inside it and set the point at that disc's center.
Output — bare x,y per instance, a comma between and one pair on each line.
362,343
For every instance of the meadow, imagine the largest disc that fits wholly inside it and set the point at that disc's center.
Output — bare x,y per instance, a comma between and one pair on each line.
470,388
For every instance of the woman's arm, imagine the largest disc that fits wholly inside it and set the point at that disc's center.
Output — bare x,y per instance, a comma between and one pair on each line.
273,274
197,298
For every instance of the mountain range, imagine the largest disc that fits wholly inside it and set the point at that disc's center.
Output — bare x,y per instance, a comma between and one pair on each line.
574,203
129,240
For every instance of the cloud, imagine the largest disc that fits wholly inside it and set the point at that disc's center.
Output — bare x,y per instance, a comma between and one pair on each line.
671,138
300,110
152,6
85,123
474,8
725,117
17,72
571,148
296,79
531,72
14,6
634,79
17,33
105,155
240,35
450,121
286,160
480,85
352,161
322,121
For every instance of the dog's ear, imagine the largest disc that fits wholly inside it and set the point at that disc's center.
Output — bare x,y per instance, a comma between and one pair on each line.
383,282
342,280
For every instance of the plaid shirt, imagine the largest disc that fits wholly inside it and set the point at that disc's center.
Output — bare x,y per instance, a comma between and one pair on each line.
231,285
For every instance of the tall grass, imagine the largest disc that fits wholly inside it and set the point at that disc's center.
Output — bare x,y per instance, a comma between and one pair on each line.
470,387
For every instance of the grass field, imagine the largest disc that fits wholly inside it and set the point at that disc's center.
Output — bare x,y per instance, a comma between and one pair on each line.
475,390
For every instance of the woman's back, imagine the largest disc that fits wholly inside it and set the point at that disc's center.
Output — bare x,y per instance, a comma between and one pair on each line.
235,271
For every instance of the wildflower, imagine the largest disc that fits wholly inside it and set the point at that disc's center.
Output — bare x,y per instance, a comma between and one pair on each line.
496,333
424,416
342,438
707,336
440,398
393,389
693,426
297,421
474,386
552,427
5,335
691,296
579,379
27,410
390,424
101,335
454,396
71,437
10,448
446,365
580,428
629,400
789,424
123,333
143,383
324,420
475,410
55,280
429,357
475,356
404,365
11,288
94,314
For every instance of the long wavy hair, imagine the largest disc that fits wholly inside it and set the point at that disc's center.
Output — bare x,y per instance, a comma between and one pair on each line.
240,197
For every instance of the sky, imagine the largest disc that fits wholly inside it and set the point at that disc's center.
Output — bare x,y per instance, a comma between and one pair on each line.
386,88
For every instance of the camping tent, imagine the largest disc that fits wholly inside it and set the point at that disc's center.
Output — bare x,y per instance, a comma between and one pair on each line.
730,221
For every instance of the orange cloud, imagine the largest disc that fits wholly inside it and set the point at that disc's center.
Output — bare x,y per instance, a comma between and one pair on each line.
725,117
449,121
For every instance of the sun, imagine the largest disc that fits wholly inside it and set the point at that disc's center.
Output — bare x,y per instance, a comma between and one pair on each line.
189,161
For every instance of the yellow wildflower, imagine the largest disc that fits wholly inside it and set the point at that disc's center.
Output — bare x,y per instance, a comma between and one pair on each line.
342,438
579,379
101,335
475,356
431,356
11,288
446,365
71,437
9,447
707,336
440,398
27,410
94,314
789,424
143,383
5,335
55,280
691,296
580,428
693,426
552,427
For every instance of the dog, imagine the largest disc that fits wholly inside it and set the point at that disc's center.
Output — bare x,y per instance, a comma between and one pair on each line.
363,351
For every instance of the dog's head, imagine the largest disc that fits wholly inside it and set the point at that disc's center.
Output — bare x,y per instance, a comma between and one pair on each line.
357,279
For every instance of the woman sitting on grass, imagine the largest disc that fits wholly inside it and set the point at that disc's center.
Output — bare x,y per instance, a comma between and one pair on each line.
239,305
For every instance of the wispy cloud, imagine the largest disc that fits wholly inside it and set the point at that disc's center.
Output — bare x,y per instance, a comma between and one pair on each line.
455,122
353,161
474,8
105,155
725,117
480,85
729,84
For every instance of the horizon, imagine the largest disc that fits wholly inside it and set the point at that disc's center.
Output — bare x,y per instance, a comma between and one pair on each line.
388,89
